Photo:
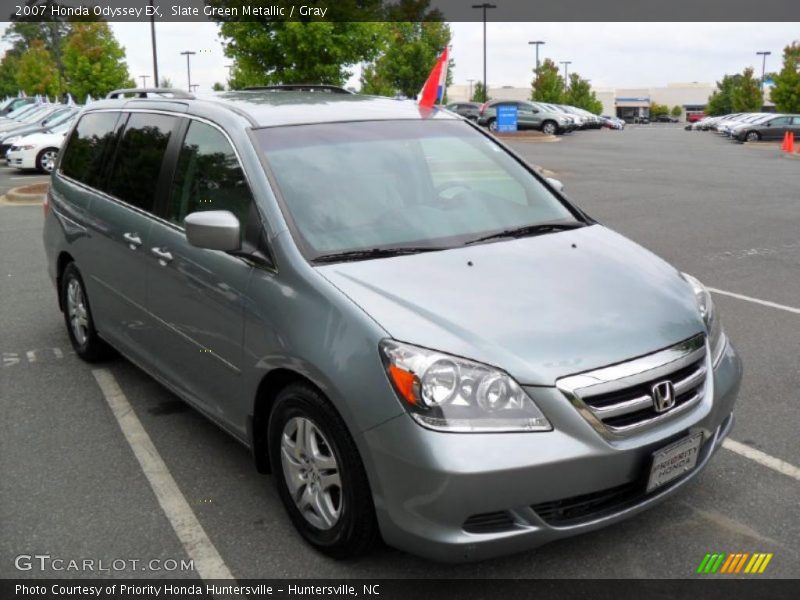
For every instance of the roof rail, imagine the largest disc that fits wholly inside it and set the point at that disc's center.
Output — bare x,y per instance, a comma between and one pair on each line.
143,93
300,87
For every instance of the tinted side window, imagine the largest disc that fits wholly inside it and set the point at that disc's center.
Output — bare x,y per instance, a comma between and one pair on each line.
140,152
83,158
208,177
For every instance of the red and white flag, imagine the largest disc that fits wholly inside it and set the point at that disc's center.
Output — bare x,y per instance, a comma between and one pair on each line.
434,88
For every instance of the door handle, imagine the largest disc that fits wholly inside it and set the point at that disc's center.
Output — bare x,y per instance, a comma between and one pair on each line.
133,239
163,256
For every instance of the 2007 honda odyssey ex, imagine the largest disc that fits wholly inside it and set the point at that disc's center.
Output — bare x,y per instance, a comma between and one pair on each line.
418,336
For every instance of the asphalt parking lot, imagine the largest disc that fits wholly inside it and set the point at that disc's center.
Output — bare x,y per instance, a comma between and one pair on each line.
71,487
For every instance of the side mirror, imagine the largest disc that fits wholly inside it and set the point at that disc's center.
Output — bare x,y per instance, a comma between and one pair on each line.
555,183
213,230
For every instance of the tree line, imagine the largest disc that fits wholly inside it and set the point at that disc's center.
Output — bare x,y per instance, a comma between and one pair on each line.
742,92
58,57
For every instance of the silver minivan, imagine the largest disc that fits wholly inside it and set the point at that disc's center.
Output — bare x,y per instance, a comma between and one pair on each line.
420,338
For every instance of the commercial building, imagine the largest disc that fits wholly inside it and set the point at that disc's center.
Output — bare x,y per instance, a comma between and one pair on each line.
626,103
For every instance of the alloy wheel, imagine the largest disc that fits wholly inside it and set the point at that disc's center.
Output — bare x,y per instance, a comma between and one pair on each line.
311,472
76,309
48,160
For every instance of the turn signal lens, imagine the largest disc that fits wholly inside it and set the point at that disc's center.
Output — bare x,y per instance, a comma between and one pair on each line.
406,384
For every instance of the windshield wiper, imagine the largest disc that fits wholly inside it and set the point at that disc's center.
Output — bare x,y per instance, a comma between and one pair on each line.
351,255
528,230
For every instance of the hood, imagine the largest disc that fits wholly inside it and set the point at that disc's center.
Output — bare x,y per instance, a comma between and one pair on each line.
539,307
37,139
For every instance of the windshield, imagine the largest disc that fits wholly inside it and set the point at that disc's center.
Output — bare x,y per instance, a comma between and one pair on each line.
22,110
58,117
63,127
385,184
36,115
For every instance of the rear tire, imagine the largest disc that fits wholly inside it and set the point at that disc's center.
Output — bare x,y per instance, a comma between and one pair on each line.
312,454
78,318
492,125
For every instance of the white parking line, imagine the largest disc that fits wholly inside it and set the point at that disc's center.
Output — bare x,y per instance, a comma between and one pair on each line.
762,458
207,561
790,309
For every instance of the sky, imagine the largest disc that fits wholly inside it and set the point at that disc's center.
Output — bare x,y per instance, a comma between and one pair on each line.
609,54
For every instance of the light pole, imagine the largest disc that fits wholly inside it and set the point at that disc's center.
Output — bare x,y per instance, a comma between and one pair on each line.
144,80
188,54
470,89
153,43
485,6
537,44
764,54
566,64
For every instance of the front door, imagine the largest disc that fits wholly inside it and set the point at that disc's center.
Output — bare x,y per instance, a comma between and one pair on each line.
197,294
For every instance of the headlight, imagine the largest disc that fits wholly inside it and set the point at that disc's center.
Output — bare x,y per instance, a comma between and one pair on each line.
716,337
448,393
29,147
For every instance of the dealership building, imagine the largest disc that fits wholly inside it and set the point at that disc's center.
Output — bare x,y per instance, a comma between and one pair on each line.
627,103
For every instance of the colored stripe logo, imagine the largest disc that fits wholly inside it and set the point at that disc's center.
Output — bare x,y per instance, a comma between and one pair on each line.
738,562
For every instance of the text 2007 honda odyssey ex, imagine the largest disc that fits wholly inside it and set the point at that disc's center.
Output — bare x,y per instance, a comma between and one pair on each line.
417,335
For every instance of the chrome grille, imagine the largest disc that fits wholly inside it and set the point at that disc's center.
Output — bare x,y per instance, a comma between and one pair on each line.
619,399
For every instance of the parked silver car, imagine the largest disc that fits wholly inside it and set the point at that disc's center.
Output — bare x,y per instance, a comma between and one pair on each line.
416,333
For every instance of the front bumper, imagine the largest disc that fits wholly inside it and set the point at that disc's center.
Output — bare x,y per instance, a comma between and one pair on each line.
20,159
464,497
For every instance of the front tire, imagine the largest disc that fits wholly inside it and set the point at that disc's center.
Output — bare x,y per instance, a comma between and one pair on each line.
319,474
46,159
752,136
549,127
492,125
78,318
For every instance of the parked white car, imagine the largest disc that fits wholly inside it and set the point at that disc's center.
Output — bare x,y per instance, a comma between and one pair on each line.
38,150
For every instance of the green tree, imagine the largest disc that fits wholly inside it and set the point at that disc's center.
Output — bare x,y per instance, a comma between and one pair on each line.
374,83
581,95
721,101
409,52
746,95
786,92
20,35
218,87
94,62
657,109
166,82
36,72
548,84
303,49
479,93
677,111
8,75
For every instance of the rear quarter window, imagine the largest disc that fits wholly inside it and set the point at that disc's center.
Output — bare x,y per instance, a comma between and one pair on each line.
85,150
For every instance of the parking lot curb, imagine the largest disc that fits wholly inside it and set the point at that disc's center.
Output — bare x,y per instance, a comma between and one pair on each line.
19,195
525,137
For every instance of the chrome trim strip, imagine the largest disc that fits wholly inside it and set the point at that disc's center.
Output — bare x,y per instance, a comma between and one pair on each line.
675,411
579,387
622,408
690,382
723,345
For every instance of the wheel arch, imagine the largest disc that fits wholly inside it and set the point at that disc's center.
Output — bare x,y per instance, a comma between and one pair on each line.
64,258
268,388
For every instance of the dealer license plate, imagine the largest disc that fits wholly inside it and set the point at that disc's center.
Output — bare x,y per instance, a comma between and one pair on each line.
674,460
